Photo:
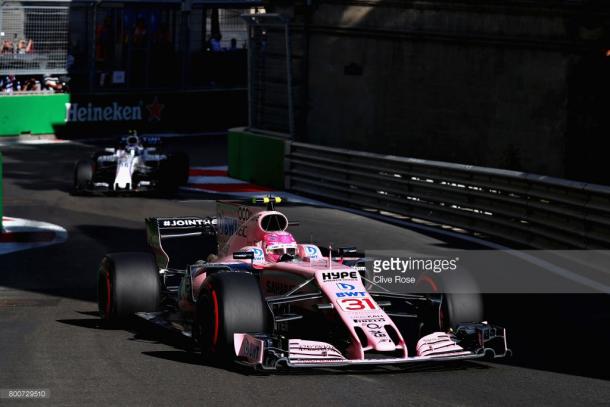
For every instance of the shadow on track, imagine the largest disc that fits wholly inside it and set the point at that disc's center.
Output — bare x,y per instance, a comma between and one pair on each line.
184,351
562,333
114,239
430,367
83,323
69,269
33,168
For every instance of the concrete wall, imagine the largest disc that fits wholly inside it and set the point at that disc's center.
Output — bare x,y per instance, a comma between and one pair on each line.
483,83
493,108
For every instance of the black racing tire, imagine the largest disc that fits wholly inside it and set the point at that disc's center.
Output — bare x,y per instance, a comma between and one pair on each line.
167,182
173,172
459,295
462,301
83,175
99,154
180,162
229,303
461,308
127,283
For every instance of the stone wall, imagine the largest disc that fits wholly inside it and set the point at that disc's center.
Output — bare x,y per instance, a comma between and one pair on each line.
474,82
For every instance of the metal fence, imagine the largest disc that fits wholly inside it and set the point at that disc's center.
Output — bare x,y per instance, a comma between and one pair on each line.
530,210
234,31
33,39
270,103
109,46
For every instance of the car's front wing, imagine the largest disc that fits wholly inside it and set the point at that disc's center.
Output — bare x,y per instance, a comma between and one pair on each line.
267,353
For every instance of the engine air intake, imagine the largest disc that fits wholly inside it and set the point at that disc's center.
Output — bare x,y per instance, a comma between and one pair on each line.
274,222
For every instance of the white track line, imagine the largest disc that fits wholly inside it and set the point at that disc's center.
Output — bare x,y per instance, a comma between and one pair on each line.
26,226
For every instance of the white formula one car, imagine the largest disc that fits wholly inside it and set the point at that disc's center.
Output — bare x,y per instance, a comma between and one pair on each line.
135,165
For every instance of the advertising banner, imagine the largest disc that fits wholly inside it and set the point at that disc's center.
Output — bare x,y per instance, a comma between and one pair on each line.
94,115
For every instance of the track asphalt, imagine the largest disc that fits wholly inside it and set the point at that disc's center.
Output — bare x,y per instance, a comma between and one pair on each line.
50,336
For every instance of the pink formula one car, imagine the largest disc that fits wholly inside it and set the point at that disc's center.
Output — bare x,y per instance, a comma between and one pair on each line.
245,290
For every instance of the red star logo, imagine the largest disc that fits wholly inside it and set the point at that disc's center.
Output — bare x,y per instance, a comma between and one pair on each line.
154,110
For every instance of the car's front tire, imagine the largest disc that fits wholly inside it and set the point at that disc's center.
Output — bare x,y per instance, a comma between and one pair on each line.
462,301
127,283
459,296
461,308
229,303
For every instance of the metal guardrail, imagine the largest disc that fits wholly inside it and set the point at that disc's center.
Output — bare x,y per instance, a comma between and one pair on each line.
532,210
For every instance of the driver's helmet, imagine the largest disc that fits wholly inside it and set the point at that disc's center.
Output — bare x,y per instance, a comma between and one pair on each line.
132,142
277,244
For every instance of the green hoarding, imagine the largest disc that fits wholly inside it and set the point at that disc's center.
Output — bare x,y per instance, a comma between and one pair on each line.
1,201
34,114
256,158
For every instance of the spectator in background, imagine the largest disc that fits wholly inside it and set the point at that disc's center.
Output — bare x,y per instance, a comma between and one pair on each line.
69,61
7,47
163,38
140,33
233,44
30,85
11,83
163,64
104,41
8,84
215,43
24,48
139,56
53,83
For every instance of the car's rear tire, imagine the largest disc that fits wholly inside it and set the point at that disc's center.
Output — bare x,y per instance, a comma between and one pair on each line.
83,175
229,303
127,283
180,162
173,172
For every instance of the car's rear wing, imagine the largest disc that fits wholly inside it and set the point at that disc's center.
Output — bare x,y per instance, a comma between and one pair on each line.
178,242
147,141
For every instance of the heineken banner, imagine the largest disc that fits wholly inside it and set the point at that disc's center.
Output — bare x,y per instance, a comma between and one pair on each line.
98,114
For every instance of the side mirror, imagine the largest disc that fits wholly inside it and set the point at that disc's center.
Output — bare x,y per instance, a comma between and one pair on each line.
243,255
346,250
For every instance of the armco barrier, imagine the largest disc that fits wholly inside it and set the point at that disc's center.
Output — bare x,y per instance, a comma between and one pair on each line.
35,114
256,158
532,210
